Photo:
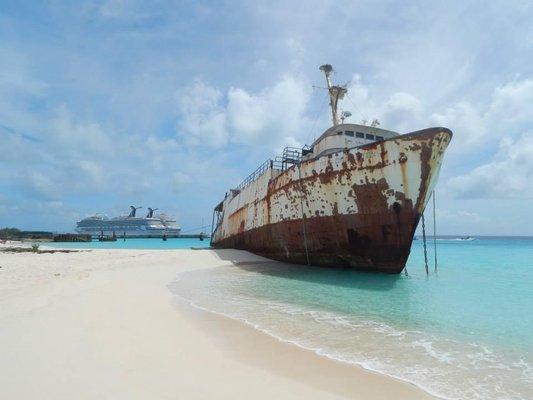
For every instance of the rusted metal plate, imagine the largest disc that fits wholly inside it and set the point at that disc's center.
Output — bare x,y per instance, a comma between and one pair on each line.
360,207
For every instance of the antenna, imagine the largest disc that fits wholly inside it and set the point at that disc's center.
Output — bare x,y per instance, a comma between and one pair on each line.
374,125
336,93
344,115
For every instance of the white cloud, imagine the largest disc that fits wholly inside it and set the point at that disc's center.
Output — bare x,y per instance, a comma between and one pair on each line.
508,175
92,172
41,183
468,125
511,105
203,119
272,117
79,139
402,111
506,114
477,127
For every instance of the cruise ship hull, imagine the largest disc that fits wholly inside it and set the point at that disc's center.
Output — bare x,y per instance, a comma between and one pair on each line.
128,226
355,208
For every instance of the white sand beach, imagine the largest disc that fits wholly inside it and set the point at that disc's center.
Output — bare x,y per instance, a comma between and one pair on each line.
102,324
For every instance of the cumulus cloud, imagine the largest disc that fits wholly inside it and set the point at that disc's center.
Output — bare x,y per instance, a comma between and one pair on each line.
203,118
511,105
38,183
274,116
78,139
465,121
72,158
399,111
508,175
507,112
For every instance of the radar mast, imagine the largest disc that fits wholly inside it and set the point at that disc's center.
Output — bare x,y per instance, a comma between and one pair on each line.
336,93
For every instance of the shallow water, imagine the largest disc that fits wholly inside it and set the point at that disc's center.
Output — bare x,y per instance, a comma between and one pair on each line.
464,332
144,244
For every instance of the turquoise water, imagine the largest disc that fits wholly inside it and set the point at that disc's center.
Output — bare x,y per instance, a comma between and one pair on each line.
465,332
144,244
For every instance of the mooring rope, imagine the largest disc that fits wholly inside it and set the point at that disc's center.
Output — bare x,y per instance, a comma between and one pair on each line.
303,215
434,232
424,239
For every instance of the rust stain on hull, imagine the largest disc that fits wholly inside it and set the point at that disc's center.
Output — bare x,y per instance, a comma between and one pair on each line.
377,242
360,206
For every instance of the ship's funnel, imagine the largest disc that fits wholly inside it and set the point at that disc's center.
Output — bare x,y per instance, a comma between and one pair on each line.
151,212
133,211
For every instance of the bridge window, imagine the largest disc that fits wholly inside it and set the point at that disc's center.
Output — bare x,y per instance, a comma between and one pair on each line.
360,135
349,133
369,136
379,137
339,133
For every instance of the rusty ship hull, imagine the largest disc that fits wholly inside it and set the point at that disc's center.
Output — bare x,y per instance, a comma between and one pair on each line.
357,208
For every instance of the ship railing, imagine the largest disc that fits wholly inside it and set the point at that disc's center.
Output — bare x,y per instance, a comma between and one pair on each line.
289,157
256,174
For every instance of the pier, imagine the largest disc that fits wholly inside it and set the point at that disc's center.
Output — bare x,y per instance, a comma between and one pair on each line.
71,237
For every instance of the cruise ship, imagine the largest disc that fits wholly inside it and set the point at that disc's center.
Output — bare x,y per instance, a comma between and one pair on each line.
130,225
352,199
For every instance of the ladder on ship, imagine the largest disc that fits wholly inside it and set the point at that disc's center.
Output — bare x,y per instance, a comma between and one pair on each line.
290,156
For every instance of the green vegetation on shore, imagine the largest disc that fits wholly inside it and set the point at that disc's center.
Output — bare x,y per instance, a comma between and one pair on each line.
17,234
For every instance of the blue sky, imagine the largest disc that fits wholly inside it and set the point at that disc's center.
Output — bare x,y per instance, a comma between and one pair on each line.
104,104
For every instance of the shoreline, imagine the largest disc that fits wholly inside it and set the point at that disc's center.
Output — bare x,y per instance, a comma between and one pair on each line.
340,373
68,320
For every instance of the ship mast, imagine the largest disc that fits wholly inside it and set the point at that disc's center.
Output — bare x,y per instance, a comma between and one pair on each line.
336,93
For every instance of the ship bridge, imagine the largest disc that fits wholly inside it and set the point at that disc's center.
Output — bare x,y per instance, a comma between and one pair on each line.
345,136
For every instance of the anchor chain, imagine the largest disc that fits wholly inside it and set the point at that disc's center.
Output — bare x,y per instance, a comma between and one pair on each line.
424,240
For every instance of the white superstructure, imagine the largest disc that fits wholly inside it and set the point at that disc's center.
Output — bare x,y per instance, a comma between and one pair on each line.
130,225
